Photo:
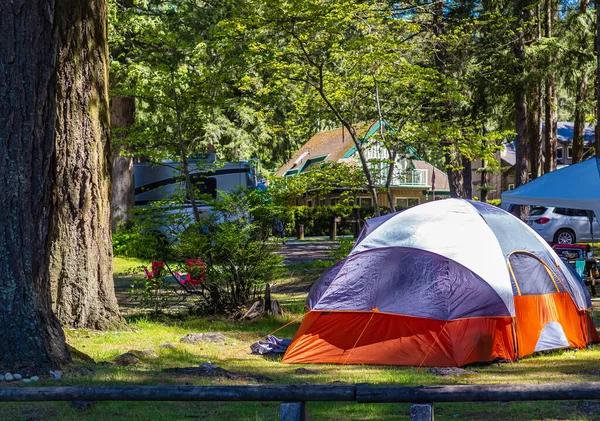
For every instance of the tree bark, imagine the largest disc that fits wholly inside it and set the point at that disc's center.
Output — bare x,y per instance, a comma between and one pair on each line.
535,132
468,178
484,180
122,115
455,172
579,129
81,268
32,339
551,101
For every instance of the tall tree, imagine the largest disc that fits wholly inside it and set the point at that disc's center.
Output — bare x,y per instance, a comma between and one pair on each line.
582,37
535,108
81,267
551,96
453,159
32,337
520,102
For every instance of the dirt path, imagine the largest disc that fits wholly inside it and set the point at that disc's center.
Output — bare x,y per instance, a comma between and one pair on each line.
306,251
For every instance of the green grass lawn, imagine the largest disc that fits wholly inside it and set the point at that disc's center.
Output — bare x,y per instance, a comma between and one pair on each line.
234,355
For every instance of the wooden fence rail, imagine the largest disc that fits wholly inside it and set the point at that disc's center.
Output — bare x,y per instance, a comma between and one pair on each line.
294,397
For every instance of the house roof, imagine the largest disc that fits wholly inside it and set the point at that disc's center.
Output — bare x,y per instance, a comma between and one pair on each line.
566,131
441,178
331,144
337,146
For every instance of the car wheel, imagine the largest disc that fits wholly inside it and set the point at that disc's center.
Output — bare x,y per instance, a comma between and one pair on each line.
564,236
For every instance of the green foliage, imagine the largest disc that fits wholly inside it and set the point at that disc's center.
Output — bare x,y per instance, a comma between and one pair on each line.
343,249
140,243
235,243
317,219
319,183
157,294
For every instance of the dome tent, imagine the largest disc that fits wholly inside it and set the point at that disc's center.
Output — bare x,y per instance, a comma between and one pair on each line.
446,283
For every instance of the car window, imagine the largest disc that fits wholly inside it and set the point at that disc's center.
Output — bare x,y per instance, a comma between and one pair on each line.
537,210
570,212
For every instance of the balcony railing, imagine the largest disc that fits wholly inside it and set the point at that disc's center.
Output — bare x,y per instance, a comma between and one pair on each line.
411,178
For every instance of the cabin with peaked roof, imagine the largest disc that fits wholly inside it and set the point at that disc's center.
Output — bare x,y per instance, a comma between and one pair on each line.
412,180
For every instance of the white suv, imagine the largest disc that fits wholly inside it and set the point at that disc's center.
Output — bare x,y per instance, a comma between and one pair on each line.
562,225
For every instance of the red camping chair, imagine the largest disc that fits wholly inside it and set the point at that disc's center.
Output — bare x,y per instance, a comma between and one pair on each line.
157,269
193,281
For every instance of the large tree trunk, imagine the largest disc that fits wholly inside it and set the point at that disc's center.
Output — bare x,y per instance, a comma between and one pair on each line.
122,115
32,339
551,101
81,267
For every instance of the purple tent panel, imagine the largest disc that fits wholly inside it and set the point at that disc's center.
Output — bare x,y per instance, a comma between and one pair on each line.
405,281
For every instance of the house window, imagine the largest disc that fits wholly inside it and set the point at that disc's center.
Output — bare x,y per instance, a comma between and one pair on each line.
569,152
365,202
511,187
334,200
559,153
309,203
406,202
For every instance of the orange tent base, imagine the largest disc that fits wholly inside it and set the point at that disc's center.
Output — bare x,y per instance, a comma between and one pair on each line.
388,339
354,337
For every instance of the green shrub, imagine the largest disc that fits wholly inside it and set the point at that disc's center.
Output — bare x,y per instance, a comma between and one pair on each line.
141,243
317,219
343,250
235,244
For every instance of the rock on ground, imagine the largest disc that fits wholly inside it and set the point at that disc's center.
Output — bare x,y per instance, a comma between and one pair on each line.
195,338
125,359
450,371
147,354
302,370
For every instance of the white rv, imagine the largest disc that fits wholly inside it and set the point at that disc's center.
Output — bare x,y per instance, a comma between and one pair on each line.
157,182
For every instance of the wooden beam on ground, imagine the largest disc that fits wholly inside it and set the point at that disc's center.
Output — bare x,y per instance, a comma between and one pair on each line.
478,393
289,393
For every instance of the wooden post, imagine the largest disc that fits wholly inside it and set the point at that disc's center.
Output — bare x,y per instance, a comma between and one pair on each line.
421,412
333,229
301,232
356,222
292,411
